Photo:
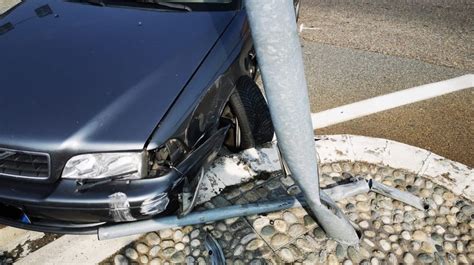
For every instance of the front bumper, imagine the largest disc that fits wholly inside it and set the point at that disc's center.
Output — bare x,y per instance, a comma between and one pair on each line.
61,205
60,208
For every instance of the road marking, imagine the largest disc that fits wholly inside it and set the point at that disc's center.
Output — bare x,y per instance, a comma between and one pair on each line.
11,237
302,27
389,101
74,249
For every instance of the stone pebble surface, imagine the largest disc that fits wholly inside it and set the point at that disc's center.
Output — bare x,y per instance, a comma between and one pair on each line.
392,232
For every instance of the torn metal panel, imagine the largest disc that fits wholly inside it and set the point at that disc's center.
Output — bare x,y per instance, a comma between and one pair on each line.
193,183
120,207
188,198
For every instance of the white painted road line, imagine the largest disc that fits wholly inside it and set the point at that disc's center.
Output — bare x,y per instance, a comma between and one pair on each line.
302,27
389,101
73,249
11,237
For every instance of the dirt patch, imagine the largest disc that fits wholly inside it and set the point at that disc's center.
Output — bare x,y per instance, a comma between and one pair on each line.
27,248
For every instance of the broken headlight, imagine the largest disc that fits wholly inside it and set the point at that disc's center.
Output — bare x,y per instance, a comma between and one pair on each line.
126,165
163,159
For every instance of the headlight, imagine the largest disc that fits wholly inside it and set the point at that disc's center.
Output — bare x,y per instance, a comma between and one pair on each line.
105,165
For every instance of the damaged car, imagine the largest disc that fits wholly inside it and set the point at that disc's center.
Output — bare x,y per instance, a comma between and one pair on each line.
111,111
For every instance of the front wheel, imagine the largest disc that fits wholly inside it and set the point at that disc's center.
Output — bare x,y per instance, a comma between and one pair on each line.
249,116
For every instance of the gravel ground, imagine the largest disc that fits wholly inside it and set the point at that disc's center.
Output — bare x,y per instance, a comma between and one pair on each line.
392,232
434,31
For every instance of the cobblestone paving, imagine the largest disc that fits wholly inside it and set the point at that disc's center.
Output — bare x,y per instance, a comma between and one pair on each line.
392,232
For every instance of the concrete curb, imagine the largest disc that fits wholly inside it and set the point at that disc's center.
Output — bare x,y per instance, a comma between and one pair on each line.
452,175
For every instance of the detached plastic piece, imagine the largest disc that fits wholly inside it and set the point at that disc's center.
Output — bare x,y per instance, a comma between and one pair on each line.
215,250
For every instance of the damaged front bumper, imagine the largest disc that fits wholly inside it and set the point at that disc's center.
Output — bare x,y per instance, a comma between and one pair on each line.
61,209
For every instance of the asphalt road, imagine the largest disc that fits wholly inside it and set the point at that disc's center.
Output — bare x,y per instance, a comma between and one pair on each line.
359,50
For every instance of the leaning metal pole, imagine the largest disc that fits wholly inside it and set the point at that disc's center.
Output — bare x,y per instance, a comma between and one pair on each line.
274,32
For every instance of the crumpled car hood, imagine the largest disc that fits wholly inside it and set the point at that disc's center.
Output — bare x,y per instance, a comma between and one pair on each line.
82,77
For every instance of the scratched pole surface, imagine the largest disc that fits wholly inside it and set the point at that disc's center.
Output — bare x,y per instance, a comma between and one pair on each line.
274,32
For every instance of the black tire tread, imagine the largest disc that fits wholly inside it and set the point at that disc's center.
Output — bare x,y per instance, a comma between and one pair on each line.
251,109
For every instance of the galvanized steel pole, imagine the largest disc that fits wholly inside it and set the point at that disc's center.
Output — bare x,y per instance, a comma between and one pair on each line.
276,40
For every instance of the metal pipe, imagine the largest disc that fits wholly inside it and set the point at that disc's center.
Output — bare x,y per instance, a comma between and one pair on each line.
350,189
328,196
275,36
278,50
212,215
145,226
396,194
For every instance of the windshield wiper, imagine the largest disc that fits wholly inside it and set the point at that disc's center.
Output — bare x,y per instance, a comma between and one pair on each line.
161,4
86,184
173,5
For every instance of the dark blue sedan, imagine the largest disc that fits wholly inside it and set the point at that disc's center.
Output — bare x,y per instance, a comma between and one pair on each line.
111,109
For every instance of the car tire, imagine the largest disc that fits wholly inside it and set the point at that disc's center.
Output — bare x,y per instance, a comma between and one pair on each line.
251,114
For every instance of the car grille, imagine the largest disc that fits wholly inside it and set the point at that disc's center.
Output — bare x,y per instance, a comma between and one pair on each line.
24,164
